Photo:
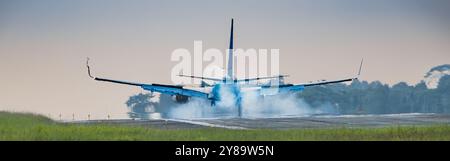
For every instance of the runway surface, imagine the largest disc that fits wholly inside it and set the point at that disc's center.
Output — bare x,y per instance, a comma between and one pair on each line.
323,121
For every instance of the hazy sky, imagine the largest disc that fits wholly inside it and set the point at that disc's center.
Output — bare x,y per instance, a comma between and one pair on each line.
44,44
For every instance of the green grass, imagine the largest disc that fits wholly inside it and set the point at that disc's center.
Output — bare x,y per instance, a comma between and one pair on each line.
19,126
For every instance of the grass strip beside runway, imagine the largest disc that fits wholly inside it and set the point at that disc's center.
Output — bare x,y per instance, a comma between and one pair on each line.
19,126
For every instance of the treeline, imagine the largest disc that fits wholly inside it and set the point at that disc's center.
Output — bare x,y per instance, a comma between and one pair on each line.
377,98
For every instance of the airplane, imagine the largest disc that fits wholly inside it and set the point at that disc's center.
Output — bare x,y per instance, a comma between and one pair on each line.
229,82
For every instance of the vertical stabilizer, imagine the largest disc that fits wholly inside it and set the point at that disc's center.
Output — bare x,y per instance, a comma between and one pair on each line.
230,55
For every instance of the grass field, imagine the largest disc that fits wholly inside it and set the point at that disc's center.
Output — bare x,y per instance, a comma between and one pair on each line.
19,126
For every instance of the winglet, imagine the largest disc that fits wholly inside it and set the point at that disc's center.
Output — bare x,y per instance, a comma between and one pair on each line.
360,67
88,68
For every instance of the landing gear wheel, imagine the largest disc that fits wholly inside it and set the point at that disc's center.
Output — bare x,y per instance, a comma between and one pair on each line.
239,111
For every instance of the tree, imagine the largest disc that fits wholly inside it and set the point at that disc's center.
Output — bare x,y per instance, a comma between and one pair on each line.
140,105
443,90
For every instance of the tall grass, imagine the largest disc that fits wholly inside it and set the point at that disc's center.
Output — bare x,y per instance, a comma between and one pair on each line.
16,126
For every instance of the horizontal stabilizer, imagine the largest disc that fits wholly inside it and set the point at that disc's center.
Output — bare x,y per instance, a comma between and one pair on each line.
197,77
261,78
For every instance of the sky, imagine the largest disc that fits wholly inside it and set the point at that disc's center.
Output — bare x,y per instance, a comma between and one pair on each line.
44,44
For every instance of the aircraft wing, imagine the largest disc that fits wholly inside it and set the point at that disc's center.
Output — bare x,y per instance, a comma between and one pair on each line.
270,89
283,88
327,82
161,88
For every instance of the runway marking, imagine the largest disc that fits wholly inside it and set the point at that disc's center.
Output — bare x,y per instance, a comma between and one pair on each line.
207,124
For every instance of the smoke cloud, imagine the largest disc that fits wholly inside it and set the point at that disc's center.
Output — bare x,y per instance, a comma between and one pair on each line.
253,106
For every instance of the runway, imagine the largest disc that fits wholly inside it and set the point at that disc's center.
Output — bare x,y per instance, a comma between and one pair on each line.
292,122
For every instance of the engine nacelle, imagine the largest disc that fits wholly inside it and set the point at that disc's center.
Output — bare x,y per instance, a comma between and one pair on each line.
181,98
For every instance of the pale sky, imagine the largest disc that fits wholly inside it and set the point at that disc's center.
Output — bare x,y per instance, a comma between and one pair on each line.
44,44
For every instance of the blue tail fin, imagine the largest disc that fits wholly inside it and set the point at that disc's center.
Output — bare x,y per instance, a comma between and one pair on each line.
230,55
